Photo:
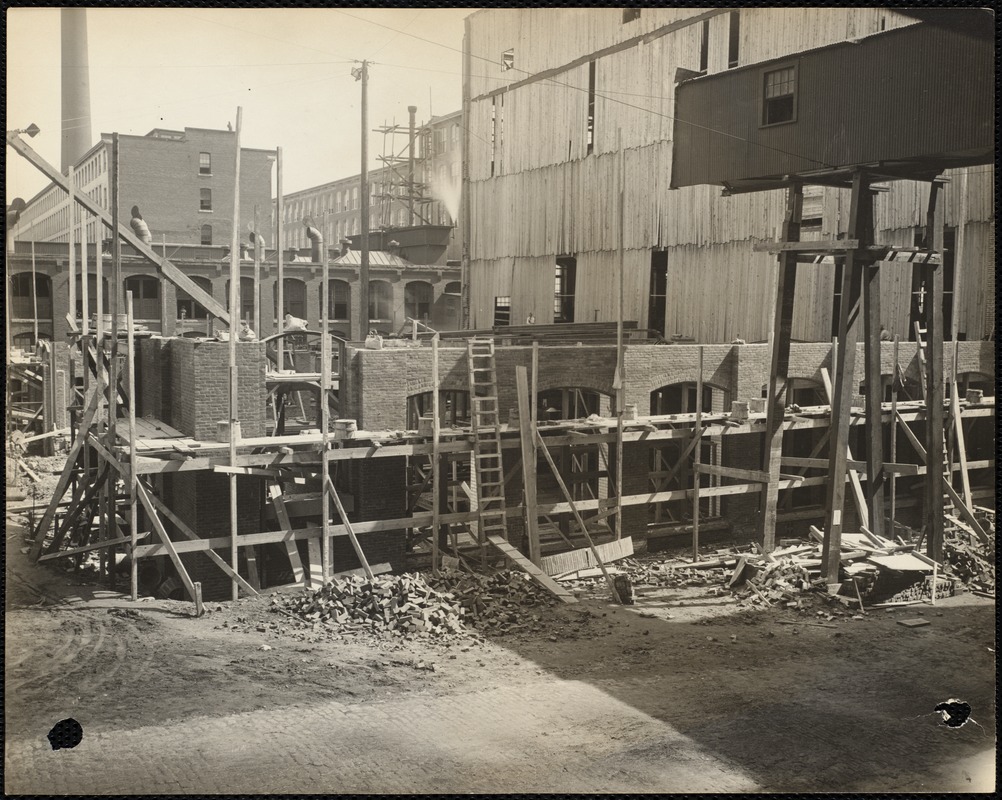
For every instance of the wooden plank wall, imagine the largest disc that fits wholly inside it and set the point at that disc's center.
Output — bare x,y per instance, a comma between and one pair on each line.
549,198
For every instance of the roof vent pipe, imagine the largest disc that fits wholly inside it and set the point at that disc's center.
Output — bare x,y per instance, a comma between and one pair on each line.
345,246
316,241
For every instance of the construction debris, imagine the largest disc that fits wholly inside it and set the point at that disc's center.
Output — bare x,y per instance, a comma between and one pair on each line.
450,604
967,556
397,603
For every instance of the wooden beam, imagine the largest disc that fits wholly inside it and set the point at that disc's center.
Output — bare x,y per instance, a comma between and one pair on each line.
170,271
697,457
795,246
577,516
755,475
436,467
958,428
73,551
282,514
168,545
528,442
64,478
189,534
781,337
872,330
933,277
351,531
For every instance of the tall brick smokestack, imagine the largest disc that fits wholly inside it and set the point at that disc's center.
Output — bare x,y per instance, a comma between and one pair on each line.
76,138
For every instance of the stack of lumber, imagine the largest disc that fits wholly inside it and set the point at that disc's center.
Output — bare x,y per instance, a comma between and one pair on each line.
403,603
493,603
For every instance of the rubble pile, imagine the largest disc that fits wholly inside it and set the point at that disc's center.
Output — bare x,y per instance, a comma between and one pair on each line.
399,603
969,558
922,590
665,574
493,603
784,578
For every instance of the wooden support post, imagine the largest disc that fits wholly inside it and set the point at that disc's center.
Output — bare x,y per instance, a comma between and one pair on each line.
115,299
258,248
133,457
234,309
844,386
527,441
325,410
577,516
893,478
158,526
782,332
347,525
280,255
188,533
875,475
71,181
933,275
958,432
697,457
436,475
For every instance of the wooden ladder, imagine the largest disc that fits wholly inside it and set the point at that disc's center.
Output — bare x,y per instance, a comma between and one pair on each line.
487,441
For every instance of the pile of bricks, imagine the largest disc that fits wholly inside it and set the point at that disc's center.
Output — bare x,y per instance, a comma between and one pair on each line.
665,574
403,603
783,578
970,560
493,603
922,590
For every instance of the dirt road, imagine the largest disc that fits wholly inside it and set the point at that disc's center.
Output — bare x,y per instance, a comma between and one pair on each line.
657,697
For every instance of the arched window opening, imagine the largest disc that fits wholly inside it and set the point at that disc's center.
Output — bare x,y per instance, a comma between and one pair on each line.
668,470
380,301
145,297
340,301
453,408
92,295
26,295
187,307
417,300
294,298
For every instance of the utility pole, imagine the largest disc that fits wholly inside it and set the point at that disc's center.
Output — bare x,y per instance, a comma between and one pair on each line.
362,74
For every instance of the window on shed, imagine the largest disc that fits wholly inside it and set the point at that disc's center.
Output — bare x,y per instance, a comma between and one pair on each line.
502,311
591,108
563,289
204,164
779,99
630,14
734,39
658,292
508,59
704,46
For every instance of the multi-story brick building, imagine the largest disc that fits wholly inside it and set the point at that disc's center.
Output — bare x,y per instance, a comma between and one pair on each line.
433,200
182,181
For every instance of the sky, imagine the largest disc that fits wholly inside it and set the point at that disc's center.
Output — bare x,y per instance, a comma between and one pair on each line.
289,69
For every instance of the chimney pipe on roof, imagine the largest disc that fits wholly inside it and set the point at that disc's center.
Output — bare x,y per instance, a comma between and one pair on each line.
316,241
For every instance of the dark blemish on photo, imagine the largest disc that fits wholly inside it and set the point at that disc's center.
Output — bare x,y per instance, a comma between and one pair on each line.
955,712
65,733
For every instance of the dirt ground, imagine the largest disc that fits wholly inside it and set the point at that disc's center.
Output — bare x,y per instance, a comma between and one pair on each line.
778,700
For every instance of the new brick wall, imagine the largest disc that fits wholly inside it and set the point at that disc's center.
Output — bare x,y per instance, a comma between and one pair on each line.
200,387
